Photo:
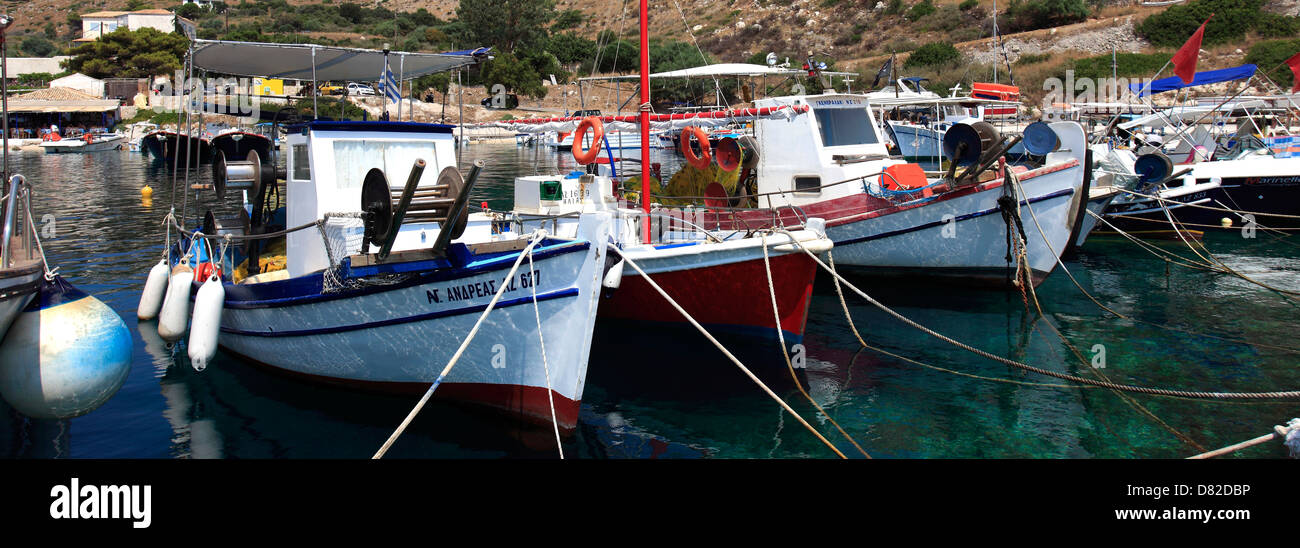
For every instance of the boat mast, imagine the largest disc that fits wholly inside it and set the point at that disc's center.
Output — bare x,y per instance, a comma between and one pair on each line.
995,41
5,21
645,120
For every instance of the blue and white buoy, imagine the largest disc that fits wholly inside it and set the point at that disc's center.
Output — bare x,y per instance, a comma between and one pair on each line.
65,355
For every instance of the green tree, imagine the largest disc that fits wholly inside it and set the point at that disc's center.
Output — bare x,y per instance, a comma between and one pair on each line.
568,19
506,24
933,54
1232,18
1269,54
1038,14
516,75
37,46
129,54
50,32
570,48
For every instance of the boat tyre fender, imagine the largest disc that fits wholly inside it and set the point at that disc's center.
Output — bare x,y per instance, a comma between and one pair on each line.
700,162
598,132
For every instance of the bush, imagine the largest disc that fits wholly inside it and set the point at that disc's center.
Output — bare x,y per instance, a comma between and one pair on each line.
968,4
567,19
1272,25
1140,65
895,7
1269,54
1032,58
933,54
37,46
920,10
1040,14
1232,18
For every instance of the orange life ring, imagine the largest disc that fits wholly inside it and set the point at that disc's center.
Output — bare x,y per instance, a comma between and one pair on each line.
598,132
700,162
88,138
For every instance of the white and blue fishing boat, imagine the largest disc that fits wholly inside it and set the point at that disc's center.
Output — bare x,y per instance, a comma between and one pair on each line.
374,285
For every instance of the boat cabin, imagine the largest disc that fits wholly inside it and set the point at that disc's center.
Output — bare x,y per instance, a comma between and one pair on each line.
838,139
327,163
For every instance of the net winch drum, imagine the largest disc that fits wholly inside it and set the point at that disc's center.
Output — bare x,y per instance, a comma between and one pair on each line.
1153,167
237,175
737,152
377,205
1040,139
429,204
976,138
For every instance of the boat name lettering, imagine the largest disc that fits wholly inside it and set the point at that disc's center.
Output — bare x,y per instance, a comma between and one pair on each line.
476,290
827,102
1273,180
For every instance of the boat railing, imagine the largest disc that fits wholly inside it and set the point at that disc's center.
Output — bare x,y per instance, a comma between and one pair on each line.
16,222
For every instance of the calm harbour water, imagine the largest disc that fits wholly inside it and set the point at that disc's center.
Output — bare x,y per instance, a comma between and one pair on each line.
665,395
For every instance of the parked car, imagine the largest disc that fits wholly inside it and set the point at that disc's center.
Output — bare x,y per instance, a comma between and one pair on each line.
360,89
507,101
331,89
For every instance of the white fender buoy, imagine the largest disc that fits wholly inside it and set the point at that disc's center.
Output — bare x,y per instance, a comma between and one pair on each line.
155,288
175,315
207,322
65,355
614,277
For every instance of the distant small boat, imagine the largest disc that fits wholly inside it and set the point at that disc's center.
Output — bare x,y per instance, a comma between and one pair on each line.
236,144
89,142
168,145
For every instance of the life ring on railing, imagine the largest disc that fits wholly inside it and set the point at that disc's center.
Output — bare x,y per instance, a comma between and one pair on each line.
700,162
88,138
597,133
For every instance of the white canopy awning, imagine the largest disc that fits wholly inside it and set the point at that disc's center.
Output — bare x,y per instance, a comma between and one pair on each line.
295,61
718,71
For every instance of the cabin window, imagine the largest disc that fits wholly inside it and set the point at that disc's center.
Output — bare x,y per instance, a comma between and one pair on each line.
353,158
845,126
301,163
806,183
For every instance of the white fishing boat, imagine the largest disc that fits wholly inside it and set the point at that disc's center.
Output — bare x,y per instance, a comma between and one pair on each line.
382,288
87,142
135,134
887,217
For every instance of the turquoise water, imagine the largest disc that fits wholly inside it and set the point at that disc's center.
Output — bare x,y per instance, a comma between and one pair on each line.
664,394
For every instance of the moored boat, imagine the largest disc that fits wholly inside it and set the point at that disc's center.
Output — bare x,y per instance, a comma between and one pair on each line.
87,142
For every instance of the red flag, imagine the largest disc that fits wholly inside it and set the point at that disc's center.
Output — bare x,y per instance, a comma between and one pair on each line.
1294,63
1185,59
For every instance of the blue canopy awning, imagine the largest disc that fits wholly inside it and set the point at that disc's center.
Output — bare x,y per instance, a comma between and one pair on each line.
1202,78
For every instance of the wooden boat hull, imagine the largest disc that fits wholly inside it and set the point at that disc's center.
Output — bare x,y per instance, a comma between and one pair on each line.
960,235
399,337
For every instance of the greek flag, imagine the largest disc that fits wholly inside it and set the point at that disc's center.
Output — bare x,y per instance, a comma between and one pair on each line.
388,85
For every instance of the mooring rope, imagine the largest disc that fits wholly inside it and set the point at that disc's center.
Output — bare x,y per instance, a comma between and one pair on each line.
1123,316
1015,180
780,335
1289,394
1163,200
546,366
1279,432
537,237
724,350
1210,258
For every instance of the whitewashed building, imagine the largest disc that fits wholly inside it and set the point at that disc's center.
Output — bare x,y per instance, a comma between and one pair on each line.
97,24
80,82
